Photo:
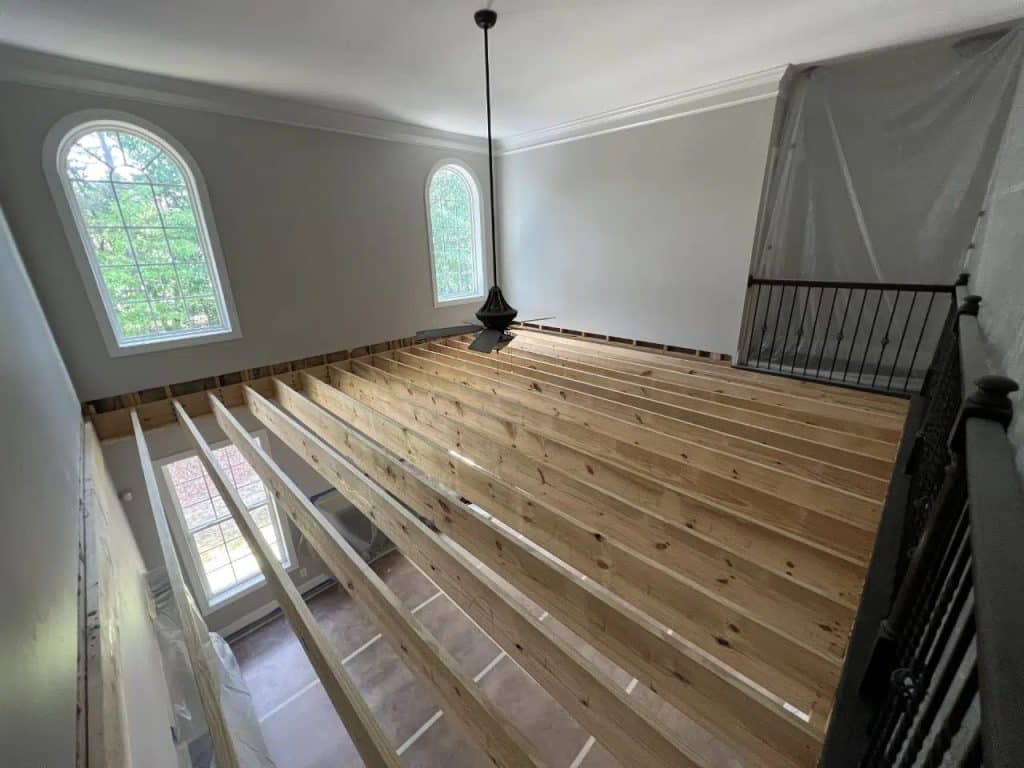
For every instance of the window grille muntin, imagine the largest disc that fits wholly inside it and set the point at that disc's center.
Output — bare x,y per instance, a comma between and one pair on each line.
164,259
456,243
208,528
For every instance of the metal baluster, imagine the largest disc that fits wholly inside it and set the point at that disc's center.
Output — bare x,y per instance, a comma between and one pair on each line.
903,336
764,324
789,322
839,336
917,347
856,330
828,327
871,333
800,330
775,331
814,328
885,338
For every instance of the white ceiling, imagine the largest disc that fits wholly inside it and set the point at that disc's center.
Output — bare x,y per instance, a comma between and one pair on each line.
420,61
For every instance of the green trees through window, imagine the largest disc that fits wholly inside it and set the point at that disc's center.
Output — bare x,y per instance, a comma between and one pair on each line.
454,213
139,218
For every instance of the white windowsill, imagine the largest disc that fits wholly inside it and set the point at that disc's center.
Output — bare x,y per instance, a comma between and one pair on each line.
173,342
238,591
457,302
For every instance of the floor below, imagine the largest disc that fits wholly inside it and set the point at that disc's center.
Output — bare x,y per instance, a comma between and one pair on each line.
302,730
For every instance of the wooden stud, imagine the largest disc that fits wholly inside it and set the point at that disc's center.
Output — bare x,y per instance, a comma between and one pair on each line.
355,714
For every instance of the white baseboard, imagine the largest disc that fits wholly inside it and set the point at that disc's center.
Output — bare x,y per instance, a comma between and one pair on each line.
265,610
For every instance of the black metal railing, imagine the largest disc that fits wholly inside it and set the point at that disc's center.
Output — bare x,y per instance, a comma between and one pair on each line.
934,674
875,336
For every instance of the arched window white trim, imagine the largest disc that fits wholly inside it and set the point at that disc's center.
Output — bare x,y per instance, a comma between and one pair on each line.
474,278
207,314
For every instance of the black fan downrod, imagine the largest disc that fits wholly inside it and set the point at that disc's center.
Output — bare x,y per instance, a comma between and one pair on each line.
496,313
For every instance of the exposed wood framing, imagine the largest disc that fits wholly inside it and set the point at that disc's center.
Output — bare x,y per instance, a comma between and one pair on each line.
587,692
111,416
692,680
706,529
362,726
193,629
753,648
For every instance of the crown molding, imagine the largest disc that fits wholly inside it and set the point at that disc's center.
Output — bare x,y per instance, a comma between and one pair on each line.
26,67
725,93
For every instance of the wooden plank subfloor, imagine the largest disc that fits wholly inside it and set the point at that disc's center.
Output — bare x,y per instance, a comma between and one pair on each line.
713,524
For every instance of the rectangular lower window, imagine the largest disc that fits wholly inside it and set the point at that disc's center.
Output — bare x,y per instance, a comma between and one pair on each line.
220,556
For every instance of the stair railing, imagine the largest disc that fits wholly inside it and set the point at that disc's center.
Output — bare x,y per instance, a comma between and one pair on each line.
872,336
934,674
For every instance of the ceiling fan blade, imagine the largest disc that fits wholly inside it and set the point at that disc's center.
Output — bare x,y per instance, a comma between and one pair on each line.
440,333
536,319
489,339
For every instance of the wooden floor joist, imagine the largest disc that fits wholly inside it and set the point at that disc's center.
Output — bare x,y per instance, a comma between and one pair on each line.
548,474
662,659
620,723
835,424
193,630
788,430
725,458
642,475
669,518
849,531
801,391
362,726
479,719
722,629
704,528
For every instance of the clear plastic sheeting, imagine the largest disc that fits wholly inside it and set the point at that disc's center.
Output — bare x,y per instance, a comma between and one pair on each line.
191,734
878,172
881,162
997,264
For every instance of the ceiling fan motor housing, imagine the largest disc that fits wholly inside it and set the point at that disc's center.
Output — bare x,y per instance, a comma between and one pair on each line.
496,313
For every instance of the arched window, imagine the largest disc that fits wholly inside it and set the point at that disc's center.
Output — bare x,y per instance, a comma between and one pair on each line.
456,245
138,212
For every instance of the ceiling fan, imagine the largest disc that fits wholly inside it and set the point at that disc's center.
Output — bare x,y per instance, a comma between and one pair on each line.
496,314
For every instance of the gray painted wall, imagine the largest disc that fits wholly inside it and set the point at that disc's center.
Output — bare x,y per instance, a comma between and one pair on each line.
645,233
324,235
40,473
123,464
130,650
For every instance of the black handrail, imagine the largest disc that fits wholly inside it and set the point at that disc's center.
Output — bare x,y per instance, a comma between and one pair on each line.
844,332
921,287
934,672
